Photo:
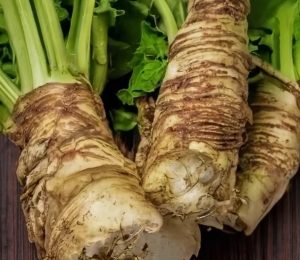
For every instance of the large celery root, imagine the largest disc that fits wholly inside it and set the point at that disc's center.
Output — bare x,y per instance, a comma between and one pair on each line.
201,111
272,153
82,198
81,195
271,156
177,239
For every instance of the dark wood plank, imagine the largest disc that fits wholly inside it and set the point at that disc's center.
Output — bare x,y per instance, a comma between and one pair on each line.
14,243
276,238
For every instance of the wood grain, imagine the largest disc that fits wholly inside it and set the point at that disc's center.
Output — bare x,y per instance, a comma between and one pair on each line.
276,238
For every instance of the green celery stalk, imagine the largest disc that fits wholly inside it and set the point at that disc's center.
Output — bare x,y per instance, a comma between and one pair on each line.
41,53
99,66
52,35
9,93
167,18
78,42
25,40
286,27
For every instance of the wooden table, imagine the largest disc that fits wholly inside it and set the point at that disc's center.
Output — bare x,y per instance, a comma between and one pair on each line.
277,237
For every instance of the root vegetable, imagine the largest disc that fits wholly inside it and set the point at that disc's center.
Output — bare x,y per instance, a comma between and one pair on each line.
82,198
272,153
178,239
201,112
79,191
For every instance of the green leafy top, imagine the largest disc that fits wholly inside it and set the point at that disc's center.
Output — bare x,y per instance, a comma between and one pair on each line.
125,36
148,64
139,45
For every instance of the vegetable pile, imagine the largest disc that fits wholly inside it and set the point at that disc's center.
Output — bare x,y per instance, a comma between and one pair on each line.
203,100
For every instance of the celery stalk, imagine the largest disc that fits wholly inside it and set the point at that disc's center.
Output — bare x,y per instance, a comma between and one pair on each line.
25,40
78,42
99,53
168,19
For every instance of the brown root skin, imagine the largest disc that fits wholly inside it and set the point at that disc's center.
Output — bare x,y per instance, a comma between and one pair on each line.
146,108
107,214
271,156
177,239
80,192
201,112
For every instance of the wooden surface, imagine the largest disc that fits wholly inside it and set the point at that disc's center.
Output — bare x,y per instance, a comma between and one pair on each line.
277,237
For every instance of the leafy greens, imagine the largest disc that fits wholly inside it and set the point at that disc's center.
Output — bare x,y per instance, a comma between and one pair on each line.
138,47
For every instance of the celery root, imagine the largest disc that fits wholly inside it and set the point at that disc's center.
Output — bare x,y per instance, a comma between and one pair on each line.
271,156
177,239
201,111
81,196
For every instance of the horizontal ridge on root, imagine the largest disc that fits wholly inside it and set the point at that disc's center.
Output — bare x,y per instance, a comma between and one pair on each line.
271,155
201,111
237,9
63,100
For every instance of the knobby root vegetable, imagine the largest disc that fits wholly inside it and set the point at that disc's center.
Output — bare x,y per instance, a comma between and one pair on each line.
178,239
271,156
201,112
82,198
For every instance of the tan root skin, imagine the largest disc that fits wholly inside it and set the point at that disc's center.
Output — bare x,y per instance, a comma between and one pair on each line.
177,240
146,108
271,156
201,112
81,197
